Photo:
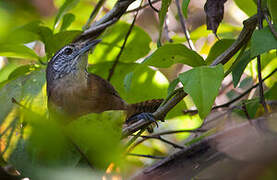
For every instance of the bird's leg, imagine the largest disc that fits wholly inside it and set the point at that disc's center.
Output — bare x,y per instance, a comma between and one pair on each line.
145,115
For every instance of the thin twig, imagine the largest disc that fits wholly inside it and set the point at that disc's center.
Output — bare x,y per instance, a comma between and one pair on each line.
122,47
80,151
244,109
179,131
94,13
155,9
146,156
169,142
133,139
183,25
9,126
107,20
163,133
8,141
166,31
271,27
235,99
142,7
261,89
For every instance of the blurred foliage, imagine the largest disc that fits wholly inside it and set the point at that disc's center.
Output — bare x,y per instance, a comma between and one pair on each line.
40,147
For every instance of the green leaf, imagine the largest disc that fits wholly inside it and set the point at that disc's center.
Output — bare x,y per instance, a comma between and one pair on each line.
146,83
172,86
17,51
271,94
23,70
59,40
67,5
202,84
240,66
23,34
218,48
7,69
137,45
222,31
272,7
185,5
128,81
262,41
67,20
251,105
249,7
162,15
29,33
170,54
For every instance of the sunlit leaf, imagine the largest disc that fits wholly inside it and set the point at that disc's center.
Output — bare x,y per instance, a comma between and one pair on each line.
102,145
67,5
17,51
137,45
24,34
262,41
202,84
11,90
170,54
249,7
7,69
22,70
146,83
67,20
222,31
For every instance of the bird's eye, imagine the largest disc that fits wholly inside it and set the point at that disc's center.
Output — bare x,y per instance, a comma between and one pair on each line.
68,51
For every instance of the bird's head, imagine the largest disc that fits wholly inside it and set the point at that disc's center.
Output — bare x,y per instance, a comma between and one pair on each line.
70,59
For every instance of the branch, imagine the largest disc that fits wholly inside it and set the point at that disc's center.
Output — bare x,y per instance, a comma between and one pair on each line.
160,113
244,37
157,135
150,3
108,19
146,156
94,13
189,162
261,90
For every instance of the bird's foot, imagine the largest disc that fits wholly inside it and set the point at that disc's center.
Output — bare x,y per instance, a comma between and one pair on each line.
146,116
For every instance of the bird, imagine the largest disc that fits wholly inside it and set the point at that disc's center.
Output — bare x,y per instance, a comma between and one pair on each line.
74,92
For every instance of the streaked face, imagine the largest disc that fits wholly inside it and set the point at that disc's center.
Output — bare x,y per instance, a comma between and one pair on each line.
69,59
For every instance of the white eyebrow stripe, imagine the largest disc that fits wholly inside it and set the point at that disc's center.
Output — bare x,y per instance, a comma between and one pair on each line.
58,53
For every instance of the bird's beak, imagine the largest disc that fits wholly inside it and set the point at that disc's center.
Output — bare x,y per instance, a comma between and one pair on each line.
89,45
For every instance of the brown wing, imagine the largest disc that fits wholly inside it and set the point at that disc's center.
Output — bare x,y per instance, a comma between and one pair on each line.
104,95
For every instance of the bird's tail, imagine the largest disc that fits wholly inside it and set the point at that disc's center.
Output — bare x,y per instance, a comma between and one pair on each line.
149,106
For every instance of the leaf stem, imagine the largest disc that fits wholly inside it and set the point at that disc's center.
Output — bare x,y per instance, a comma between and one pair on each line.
261,90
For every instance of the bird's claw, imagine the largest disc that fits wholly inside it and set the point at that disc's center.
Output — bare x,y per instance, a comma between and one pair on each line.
146,116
